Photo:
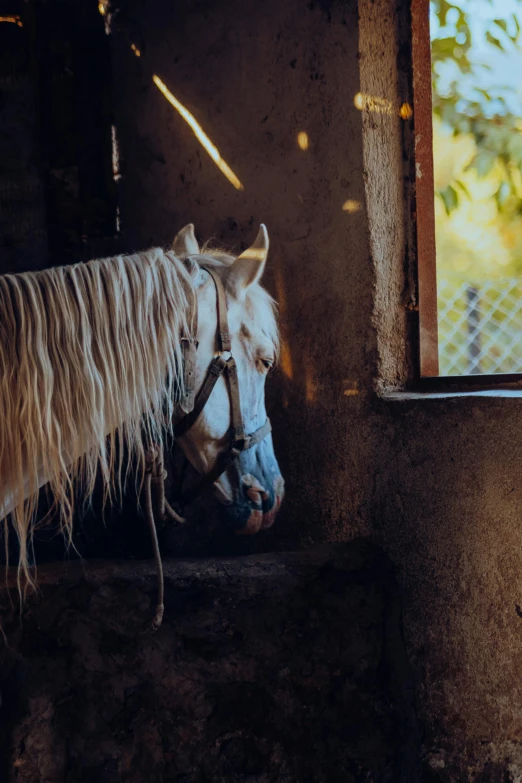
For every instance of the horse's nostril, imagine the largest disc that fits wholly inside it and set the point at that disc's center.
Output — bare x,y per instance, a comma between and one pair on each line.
254,495
254,491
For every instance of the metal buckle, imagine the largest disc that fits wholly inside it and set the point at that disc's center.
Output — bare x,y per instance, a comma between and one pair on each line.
241,442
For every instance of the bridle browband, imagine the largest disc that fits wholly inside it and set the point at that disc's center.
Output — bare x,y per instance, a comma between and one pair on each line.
193,405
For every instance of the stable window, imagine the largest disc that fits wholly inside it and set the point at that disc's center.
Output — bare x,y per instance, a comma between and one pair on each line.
467,72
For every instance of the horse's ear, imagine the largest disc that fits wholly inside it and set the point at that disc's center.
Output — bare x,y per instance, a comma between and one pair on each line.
249,266
185,243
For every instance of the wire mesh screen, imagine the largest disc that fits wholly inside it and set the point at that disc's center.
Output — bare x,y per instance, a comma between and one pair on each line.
480,326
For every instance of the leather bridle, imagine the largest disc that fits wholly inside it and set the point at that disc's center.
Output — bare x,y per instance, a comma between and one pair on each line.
156,505
193,405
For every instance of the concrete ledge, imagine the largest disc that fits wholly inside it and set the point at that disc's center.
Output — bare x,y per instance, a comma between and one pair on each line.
426,396
267,668
271,565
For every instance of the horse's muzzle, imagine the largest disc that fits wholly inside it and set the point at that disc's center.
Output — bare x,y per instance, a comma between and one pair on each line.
256,506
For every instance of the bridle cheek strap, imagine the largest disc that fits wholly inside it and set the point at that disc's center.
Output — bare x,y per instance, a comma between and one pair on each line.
219,366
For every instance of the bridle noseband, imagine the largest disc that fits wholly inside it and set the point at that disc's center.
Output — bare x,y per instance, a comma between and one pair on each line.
193,405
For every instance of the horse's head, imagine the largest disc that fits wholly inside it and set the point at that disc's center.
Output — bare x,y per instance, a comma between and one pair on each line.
251,488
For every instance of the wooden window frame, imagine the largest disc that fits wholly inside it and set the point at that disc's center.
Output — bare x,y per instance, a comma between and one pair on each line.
425,221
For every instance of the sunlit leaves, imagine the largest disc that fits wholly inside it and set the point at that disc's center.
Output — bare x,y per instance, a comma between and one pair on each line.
483,162
502,194
480,112
450,195
514,147
510,28
494,41
450,198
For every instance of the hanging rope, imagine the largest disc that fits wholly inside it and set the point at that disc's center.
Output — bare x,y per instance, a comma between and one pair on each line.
157,506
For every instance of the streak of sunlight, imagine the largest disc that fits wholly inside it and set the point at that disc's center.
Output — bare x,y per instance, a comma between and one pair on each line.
199,133
12,20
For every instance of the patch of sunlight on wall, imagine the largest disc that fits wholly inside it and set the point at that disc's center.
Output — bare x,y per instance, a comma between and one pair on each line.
351,206
285,359
303,141
373,103
311,386
351,388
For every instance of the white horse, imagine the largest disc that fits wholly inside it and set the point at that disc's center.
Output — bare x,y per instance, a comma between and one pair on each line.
92,366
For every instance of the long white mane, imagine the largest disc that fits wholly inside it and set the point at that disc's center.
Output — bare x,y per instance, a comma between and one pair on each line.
87,352
90,371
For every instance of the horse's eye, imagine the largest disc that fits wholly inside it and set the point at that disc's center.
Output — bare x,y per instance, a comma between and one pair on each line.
267,363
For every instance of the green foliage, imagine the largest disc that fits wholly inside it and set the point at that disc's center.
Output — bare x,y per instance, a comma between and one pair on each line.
480,112
450,198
